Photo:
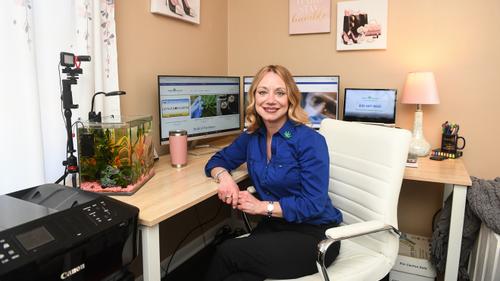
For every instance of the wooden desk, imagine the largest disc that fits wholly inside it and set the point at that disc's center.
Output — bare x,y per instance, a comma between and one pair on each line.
169,192
172,191
454,176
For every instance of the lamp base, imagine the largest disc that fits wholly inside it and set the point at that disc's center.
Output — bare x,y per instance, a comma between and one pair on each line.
418,145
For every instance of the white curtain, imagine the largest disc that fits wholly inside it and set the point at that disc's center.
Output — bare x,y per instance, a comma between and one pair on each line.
33,33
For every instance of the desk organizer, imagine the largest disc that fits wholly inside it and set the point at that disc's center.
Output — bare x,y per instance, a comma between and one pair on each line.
441,152
116,155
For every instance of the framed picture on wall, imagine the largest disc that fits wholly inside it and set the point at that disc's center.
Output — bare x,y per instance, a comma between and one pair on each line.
309,16
362,25
188,10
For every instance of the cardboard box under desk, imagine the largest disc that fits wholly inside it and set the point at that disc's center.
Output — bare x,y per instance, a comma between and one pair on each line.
413,262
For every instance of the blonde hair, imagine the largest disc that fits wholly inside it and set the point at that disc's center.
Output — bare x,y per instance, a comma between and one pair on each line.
295,111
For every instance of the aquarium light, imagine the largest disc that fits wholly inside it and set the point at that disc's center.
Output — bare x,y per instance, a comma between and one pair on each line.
96,117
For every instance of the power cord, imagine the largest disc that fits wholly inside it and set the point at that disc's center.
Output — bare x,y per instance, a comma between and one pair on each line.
201,226
186,236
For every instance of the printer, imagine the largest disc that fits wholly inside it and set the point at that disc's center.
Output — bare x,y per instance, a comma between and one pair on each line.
52,232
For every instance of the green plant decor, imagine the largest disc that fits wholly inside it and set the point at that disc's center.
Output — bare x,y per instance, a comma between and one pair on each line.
118,162
110,165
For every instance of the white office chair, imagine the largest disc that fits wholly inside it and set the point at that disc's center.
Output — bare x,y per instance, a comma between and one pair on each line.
367,164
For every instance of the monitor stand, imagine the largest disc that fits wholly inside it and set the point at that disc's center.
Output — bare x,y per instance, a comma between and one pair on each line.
202,149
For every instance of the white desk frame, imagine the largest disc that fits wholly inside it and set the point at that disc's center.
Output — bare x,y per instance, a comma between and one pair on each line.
151,252
454,176
456,229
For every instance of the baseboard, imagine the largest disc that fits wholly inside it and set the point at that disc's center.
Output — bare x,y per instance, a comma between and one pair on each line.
190,249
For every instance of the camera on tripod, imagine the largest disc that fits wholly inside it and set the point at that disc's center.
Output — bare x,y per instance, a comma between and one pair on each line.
71,64
70,60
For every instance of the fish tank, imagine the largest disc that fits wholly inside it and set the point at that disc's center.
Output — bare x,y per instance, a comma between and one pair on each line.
116,155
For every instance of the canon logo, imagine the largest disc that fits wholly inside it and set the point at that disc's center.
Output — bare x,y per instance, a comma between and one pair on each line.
72,271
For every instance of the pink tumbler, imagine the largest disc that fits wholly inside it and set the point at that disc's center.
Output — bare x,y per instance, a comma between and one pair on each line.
178,148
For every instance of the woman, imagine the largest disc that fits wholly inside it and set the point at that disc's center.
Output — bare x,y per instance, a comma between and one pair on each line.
289,166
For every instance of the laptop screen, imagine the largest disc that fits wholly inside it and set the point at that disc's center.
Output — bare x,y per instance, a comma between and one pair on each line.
370,105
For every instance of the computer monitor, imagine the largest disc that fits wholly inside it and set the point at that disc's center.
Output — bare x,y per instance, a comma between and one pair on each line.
204,106
319,96
370,105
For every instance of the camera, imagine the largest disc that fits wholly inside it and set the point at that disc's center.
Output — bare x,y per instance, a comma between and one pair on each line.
67,59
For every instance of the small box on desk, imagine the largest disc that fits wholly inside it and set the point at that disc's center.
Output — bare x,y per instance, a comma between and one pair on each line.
451,155
413,262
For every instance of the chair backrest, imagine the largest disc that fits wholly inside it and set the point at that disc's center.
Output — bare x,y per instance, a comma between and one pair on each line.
367,165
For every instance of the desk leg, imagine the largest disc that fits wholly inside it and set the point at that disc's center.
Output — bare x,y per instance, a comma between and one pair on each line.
151,270
455,235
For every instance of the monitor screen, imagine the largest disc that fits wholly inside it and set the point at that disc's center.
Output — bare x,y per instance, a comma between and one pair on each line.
319,96
204,106
370,105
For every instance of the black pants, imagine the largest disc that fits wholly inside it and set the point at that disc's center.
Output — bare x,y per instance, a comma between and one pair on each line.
275,249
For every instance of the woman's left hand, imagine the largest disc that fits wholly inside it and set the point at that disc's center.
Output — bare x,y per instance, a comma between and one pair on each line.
251,205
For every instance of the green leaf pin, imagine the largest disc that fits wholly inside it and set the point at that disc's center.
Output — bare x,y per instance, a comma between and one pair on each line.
288,134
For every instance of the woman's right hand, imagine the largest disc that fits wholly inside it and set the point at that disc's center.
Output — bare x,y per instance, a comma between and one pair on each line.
228,189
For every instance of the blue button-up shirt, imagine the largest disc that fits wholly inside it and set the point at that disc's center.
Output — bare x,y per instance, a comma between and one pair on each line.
297,174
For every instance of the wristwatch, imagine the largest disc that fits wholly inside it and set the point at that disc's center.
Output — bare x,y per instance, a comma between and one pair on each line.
270,208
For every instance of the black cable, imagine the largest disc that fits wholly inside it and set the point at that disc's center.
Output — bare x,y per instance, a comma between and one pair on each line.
186,236
63,119
61,92
78,122
199,221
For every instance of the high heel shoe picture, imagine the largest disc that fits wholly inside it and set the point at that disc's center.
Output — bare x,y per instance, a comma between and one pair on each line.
346,39
361,26
175,7
186,10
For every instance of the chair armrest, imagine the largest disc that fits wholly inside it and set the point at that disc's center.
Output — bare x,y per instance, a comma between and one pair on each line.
358,229
335,234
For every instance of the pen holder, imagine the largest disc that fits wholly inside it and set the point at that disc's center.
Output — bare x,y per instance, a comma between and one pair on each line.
449,143
178,148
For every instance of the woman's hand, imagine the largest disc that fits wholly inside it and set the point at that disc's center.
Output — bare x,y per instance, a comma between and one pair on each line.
251,205
228,189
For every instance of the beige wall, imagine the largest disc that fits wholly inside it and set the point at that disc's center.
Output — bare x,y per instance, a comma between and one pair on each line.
150,44
455,39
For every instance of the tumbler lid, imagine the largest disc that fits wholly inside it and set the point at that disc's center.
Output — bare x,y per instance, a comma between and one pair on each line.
177,133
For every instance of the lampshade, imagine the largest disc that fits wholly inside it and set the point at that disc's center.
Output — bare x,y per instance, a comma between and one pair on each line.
420,88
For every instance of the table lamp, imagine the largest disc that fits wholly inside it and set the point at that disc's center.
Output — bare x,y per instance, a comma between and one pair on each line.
420,88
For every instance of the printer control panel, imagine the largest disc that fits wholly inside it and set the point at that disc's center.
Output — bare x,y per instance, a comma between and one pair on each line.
7,251
51,231
99,212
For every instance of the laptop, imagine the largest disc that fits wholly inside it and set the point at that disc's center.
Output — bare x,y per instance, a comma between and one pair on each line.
370,106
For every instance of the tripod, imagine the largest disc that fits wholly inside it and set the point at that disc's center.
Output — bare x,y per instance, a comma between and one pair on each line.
69,61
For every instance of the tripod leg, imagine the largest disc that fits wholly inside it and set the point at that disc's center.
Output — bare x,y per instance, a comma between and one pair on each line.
62,177
73,180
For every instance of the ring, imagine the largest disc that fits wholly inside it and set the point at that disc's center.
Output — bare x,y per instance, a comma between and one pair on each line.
228,196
